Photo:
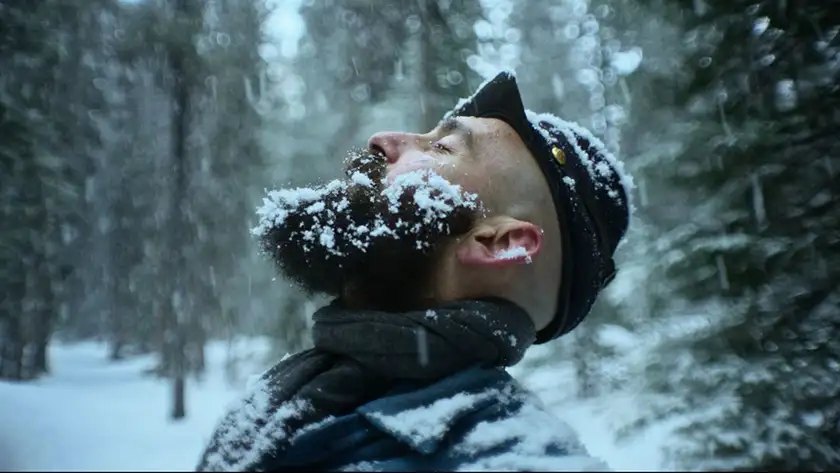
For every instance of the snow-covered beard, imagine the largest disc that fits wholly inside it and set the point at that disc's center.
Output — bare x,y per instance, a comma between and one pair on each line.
374,244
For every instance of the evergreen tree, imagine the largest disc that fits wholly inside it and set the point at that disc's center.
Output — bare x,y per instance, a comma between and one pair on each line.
753,375
46,139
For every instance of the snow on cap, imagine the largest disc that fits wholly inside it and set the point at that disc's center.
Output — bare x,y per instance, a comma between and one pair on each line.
590,188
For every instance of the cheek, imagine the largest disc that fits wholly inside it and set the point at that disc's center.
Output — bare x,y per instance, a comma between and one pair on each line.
464,172
471,178
489,180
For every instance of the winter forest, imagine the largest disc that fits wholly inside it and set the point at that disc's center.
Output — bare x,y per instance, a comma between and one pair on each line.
137,137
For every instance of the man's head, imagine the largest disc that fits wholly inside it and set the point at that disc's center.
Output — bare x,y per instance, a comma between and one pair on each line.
475,208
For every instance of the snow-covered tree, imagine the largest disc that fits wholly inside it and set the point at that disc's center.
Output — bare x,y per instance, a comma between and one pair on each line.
48,138
750,369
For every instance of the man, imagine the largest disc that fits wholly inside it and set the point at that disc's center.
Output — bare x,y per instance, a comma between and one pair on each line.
447,254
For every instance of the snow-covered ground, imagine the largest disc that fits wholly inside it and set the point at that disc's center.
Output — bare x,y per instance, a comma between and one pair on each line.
91,414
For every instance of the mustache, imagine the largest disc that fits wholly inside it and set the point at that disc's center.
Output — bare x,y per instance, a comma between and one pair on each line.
365,162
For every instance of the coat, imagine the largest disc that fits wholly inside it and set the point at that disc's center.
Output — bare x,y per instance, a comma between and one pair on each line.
478,419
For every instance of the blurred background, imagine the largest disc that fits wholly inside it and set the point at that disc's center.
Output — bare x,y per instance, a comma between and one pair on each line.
137,138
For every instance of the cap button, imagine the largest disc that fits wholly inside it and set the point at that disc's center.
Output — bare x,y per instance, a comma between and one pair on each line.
559,155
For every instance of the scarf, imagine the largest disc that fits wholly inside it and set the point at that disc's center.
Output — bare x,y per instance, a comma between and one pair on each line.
359,356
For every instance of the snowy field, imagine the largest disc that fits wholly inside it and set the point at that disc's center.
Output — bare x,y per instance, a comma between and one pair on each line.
92,414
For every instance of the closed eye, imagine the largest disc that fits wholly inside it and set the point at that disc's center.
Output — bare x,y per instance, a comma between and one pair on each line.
454,127
442,147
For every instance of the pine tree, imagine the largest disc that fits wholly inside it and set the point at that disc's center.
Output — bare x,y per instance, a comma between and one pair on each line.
754,379
17,151
45,136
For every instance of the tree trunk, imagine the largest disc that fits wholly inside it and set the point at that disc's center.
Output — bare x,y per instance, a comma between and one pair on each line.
115,317
11,366
116,352
162,307
198,340
11,304
40,358
179,407
178,227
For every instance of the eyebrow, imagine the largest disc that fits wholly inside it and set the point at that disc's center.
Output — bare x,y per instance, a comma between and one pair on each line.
453,125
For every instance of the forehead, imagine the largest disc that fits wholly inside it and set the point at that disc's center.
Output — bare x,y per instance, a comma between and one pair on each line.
491,133
488,128
497,163
492,136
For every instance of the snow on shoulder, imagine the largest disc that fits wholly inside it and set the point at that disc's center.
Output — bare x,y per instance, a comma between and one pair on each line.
522,435
428,424
250,429
538,441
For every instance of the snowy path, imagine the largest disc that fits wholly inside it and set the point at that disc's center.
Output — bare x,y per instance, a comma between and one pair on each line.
96,415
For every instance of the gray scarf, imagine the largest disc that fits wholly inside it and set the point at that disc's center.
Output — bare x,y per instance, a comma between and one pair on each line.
359,356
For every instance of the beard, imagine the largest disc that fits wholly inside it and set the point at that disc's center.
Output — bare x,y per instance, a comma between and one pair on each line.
375,246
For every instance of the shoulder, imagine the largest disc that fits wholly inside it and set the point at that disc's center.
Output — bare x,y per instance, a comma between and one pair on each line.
481,419
526,438
478,419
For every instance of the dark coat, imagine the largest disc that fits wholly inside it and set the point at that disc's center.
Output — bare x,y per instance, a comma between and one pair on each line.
478,419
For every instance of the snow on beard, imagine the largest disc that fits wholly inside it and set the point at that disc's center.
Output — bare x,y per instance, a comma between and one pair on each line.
361,238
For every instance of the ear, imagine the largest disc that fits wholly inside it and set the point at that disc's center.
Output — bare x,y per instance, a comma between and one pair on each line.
501,243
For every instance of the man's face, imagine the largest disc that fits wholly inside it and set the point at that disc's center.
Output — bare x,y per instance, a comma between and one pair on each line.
475,153
376,237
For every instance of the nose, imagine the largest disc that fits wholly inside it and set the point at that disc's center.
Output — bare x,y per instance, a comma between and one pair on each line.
391,144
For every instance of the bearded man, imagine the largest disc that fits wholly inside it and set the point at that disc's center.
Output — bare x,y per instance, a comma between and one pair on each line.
446,255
